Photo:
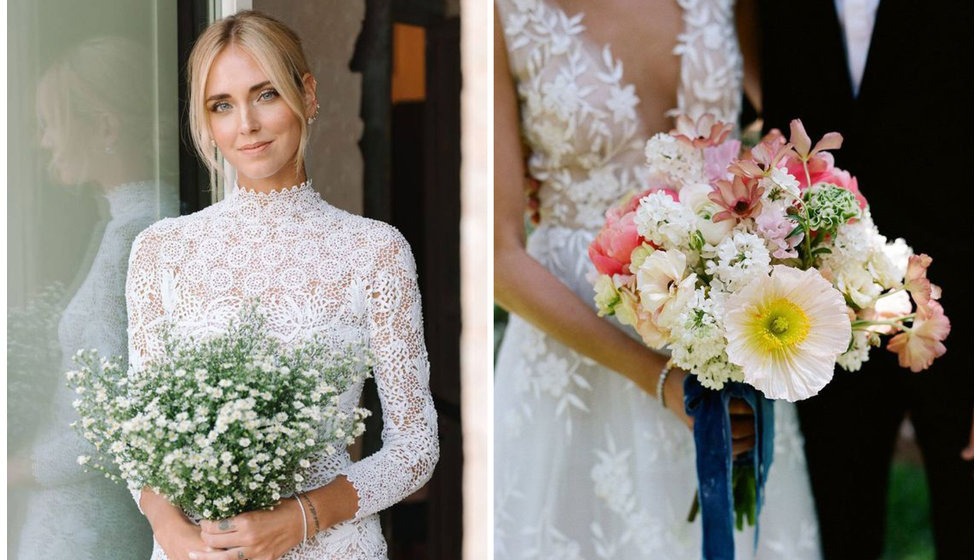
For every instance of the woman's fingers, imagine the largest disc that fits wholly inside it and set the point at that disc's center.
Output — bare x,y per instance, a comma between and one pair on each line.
221,526
743,427
740,446
224,540
738,407
232,554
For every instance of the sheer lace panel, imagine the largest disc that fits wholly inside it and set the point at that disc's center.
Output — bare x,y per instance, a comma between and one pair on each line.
580,116
315,270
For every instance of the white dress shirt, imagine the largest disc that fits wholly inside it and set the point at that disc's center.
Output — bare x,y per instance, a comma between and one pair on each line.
857,20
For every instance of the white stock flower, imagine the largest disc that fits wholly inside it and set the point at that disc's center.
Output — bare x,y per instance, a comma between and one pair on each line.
739,259
664,221
858,354
673,162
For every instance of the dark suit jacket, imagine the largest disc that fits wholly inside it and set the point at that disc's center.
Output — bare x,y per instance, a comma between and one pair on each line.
908,134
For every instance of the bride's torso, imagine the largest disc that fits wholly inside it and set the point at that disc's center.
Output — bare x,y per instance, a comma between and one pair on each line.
594,82
307,263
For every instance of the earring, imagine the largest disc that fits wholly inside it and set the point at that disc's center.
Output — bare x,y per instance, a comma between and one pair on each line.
213,143
315,115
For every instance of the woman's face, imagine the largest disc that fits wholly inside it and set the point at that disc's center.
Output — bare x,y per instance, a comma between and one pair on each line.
252,125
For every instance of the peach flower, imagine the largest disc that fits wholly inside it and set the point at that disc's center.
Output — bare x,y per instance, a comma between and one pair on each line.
920,345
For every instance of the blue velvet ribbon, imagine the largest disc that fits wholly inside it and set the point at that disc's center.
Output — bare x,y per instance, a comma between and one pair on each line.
713,448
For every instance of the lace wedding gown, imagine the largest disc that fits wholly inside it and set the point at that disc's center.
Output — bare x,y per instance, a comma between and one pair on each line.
316,270
586,464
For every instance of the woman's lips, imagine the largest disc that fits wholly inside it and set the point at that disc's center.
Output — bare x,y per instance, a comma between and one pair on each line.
256,148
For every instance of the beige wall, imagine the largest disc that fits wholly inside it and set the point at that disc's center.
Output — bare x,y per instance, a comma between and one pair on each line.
329,31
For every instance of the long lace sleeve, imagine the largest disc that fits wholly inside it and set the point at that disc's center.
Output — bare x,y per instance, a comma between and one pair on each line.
410,446
144,306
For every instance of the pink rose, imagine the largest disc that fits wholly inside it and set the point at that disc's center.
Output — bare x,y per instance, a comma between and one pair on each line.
610,251
919,346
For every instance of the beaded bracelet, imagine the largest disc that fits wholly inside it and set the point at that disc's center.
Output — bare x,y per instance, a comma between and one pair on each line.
661,382
316,520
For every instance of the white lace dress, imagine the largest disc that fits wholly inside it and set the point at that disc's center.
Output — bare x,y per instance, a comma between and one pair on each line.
585,464
316,270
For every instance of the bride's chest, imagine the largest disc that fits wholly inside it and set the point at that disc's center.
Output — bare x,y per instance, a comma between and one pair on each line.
307,279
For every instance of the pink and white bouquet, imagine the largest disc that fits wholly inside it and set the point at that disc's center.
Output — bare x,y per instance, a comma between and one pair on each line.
759,271
762,267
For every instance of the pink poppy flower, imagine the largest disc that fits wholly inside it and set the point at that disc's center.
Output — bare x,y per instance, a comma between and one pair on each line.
920,345
703,133
739,198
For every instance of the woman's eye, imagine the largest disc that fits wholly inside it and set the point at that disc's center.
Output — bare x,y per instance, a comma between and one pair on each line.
268,94
220,107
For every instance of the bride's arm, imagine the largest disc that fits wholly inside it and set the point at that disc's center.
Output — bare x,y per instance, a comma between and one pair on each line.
524,287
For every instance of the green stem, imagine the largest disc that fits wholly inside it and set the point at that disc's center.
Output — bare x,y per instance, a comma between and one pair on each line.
891,323
808,261
692,514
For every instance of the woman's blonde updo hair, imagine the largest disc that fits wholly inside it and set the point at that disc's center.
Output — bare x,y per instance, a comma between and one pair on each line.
277,50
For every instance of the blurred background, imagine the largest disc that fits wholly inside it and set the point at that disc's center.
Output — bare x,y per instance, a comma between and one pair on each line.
98,150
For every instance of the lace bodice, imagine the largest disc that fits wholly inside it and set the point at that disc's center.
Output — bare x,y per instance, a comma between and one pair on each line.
579,116
315,270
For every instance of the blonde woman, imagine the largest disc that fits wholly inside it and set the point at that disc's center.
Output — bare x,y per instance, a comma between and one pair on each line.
316,270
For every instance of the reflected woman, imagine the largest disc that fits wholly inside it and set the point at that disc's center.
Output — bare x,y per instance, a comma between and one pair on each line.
97,121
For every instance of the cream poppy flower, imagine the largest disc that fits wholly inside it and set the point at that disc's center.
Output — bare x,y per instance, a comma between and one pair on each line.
786,331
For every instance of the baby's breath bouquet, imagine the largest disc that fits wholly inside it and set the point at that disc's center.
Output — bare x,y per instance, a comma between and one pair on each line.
219,426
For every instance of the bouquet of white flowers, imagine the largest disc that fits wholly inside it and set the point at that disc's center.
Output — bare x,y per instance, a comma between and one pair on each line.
219,426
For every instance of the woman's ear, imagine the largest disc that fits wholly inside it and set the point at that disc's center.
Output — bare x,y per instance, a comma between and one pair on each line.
309,90
109,130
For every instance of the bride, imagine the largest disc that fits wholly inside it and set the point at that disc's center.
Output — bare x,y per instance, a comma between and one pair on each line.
588,462
315,269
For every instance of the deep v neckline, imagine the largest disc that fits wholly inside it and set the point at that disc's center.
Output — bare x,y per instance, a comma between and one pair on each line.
599,53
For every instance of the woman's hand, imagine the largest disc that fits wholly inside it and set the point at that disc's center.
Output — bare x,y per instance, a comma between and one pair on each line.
179,539
255,535
742,417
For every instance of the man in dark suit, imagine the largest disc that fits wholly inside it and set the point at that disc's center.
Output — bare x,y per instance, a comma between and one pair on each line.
905,113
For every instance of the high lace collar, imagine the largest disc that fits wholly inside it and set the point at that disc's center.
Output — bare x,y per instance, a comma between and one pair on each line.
302,195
